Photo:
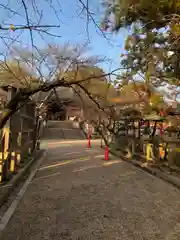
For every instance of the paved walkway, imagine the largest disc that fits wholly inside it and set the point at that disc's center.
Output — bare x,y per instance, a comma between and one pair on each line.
76,195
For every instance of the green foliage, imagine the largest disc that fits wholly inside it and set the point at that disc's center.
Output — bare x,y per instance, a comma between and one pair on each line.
18,75
156,99
148,13
142,96
153,49
94,81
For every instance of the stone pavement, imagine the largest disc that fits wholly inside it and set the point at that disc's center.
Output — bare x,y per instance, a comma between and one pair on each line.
76,195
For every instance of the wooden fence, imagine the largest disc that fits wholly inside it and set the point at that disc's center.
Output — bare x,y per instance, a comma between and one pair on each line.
18,140
132,143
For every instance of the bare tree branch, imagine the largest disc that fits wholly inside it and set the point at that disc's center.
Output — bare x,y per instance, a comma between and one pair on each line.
24,27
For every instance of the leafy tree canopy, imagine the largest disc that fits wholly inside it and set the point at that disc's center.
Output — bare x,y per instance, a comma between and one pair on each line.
153,48
18,75
150,14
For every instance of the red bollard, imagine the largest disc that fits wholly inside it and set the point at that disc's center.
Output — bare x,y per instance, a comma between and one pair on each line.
89,141
89,136
106,154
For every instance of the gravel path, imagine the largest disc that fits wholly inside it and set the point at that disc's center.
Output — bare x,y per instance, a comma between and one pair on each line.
76,195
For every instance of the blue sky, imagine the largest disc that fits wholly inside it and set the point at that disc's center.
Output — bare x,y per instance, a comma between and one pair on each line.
72,27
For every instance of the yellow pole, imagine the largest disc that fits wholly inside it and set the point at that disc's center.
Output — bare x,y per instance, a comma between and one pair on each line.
6,131
6,139
12,163
149,151
161,151
6,155
1,167
6,148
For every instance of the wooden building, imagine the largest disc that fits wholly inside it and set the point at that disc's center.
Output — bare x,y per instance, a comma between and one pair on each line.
65,105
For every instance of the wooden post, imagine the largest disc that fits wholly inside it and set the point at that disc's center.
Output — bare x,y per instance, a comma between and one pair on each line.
7,135
139,129
30,143
19,143
35,145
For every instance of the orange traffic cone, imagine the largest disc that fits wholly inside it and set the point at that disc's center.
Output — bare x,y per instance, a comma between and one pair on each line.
106,154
